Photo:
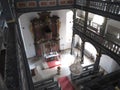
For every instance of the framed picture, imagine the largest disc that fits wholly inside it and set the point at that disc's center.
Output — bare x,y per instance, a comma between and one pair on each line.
43,3
62,2
52,3
21,4
31,4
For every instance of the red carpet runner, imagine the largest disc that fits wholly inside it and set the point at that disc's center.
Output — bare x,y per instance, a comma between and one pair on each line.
54,63
65,83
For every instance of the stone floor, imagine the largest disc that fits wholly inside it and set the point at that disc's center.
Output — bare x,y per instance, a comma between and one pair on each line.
66,60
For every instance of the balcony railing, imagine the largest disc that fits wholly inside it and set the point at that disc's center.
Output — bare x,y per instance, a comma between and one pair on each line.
110,45
79,22
104,8
111,7
113,47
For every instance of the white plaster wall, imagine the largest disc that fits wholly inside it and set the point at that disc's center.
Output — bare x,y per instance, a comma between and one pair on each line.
62,31
24,21
28,39
91,49
108,64
113,23
77,40
91,15
62,14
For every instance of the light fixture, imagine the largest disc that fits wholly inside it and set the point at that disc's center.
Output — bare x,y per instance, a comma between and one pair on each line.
76,68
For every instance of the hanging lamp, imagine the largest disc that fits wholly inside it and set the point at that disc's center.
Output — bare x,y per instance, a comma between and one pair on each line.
76,68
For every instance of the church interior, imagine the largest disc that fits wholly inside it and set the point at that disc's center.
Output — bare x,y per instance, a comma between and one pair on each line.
60,45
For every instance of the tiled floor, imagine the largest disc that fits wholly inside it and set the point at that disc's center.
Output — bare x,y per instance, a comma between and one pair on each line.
66,61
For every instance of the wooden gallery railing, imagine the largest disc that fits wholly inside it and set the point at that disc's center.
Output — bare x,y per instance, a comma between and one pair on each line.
110,45
111,7
105,8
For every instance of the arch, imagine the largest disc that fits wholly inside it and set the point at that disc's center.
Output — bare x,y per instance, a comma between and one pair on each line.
41,10
90,50
114,57
28,13
76,44
81,37
108,63
78,40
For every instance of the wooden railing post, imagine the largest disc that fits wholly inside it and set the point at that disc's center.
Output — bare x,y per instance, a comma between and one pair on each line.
73,36
96,65
82,51
72,44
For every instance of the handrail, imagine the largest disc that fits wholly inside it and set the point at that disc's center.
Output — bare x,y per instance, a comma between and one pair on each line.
111,7
111,45
104,8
